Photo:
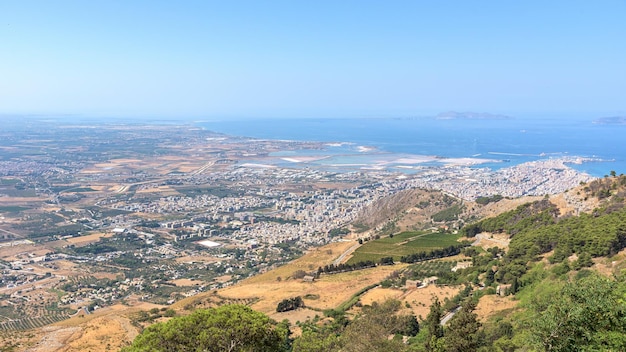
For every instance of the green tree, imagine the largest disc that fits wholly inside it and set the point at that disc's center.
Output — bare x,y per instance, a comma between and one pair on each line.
317,340
227,328
462,332
587,315
371,330
433,323
583,261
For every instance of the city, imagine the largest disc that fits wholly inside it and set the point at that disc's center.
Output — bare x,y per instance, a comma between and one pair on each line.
111,213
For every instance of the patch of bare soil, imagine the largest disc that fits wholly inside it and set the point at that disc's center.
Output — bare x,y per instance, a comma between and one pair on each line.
54,338
487,240
492,304
418,299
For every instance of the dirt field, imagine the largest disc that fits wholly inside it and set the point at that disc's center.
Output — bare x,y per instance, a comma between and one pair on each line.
85,240
331,289
23,251
186,282
270,288
419,299
487,240
311,261
108,329
489,305
197,259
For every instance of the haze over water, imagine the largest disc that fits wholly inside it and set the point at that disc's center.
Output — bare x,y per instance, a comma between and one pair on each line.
509,142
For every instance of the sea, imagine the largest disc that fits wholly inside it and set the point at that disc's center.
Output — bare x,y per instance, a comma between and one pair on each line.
402,143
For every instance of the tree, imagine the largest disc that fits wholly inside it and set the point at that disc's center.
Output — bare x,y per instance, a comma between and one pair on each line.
433,323
583,261
314,341
290,304
370,331
227,328
514,287
586,315
489,277
462,333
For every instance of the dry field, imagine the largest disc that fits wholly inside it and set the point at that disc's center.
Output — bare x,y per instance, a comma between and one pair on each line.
268,289
198,259
185,282
23,251
86,240
419,299
492,304
487,240
108,329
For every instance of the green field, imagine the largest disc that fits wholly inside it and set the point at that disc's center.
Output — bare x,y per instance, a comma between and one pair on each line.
402,244
9,181
12,209
81,189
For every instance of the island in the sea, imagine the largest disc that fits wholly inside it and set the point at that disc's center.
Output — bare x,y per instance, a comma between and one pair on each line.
612,120
453,115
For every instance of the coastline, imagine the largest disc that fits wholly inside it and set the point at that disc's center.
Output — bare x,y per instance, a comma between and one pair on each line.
374,143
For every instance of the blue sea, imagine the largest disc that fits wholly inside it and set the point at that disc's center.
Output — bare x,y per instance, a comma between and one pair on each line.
503,142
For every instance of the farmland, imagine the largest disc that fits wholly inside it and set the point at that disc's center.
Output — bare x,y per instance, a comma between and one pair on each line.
403,244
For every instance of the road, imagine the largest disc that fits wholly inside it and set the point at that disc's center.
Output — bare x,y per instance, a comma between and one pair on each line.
446,318
345,254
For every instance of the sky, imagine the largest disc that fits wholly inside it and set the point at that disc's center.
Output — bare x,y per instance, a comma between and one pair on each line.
312,58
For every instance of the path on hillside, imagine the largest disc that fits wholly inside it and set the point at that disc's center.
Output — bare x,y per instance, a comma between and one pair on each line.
446,318
345,254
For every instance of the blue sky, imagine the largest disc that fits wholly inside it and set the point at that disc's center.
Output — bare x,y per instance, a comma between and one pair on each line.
312,58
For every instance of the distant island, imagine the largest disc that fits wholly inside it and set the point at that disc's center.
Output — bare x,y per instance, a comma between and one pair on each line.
613,120
453,115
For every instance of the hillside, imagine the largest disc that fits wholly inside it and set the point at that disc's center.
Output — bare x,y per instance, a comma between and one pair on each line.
418,209
553,241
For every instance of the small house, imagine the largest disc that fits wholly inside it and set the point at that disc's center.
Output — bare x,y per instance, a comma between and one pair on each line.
503,290
412,283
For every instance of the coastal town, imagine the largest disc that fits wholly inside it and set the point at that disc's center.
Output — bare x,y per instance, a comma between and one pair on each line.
128,213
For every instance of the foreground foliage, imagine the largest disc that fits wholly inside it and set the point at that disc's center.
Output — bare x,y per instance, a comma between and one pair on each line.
227,328
588,314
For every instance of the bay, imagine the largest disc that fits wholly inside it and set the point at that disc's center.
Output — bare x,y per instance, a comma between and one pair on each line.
508,142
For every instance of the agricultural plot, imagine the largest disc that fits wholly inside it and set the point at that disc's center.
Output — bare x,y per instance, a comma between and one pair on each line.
12,209
402,244
31,323
432,268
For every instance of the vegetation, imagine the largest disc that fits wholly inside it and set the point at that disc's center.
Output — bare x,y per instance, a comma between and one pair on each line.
587,314
449,214
563,306
433,254
227,328
486,200
403,244
290,304
340,268
558,310
526,217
